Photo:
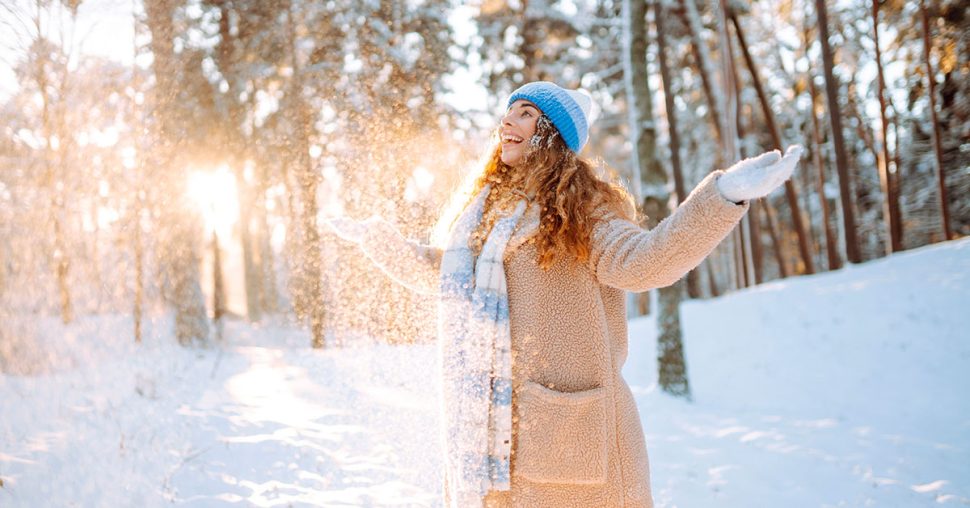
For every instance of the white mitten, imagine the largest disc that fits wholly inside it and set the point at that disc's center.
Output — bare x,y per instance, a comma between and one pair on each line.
348,229
756,177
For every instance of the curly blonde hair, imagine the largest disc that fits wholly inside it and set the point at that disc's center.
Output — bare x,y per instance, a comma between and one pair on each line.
564,185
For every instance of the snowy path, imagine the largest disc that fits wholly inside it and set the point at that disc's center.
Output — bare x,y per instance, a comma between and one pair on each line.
274,432
265,426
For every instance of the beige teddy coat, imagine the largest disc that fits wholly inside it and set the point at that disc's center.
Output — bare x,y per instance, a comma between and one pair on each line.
576,433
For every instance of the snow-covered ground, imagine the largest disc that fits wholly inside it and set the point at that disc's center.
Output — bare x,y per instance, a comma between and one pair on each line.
849,388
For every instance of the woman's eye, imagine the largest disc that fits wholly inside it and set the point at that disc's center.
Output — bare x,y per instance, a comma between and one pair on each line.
526,113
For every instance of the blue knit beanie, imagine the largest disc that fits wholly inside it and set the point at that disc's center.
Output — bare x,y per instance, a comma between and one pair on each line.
567,109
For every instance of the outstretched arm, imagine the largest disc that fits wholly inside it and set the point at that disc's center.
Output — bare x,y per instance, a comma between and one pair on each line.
625,256
409,263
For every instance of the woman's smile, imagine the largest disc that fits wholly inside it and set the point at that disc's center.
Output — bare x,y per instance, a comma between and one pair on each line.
510,147
518,125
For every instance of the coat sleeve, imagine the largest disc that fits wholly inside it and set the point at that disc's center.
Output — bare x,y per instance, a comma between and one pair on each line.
625,256
409,263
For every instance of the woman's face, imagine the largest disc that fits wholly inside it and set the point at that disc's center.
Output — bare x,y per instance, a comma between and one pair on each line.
518,126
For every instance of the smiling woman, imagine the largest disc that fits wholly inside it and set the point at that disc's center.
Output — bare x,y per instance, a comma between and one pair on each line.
531,323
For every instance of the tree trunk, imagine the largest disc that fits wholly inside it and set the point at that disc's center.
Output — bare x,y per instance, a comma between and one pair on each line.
642,130
743,257
652,191
896,176
52,173
730,145
712,279
672,365
835,121
251,274
218,288
310,258
750,228
805,203
693,282
831,239
236,149
937,143
139,272
890,200
831,243
731,261
135,221
804,241
771,216
693,23
179,257
269,297
757,248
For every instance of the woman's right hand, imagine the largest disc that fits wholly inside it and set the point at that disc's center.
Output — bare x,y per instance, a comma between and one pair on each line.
346,228
413,265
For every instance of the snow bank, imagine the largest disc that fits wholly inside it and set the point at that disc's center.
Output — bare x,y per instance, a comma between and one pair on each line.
847,388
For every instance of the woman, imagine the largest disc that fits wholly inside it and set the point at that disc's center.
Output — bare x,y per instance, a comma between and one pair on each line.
532,328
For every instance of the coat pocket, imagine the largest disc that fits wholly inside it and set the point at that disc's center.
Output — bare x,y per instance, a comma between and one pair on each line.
562,437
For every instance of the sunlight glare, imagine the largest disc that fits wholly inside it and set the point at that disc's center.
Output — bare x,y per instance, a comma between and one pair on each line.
215,194
128,154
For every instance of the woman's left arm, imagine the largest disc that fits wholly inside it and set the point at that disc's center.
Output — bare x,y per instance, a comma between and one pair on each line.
625,256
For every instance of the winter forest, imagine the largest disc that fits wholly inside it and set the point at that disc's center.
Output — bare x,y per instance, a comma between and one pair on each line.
178,325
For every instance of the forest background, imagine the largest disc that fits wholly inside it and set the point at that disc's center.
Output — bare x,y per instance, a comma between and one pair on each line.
177,156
